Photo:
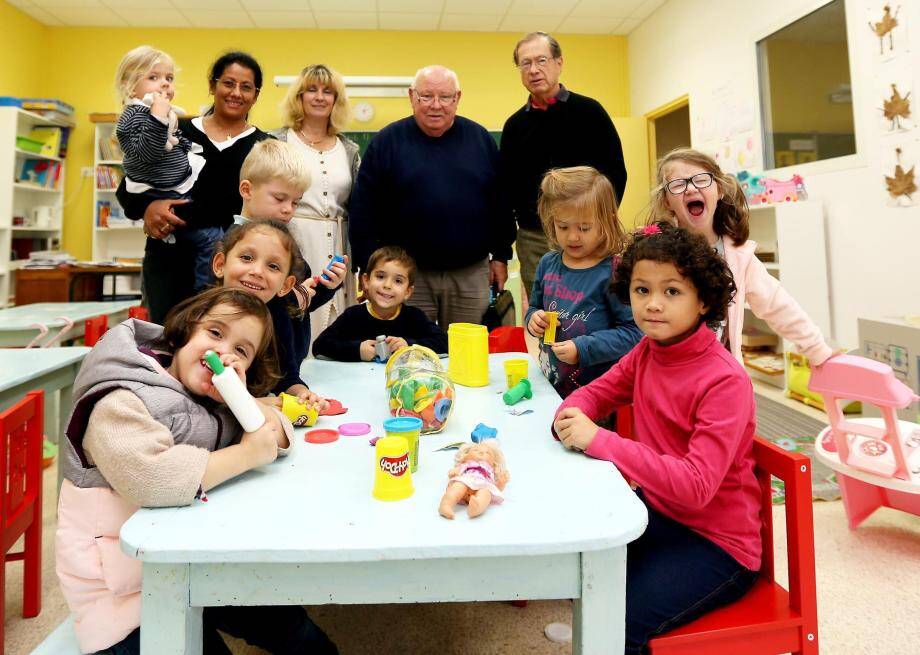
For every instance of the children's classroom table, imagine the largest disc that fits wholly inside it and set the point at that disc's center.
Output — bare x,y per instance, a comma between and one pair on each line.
16,323
306,530
51,369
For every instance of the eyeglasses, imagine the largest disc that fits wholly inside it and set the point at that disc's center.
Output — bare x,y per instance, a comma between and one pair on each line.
428,99
540,62
679,186
229,85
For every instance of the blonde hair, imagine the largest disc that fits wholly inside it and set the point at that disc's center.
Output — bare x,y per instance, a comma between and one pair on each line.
588,194
134,66
731,217
272,159
292,105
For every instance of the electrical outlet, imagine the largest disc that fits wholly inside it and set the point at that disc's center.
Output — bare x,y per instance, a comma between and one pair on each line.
86,171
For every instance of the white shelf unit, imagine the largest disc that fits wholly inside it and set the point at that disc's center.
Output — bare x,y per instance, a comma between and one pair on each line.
122,239
19,200
794,233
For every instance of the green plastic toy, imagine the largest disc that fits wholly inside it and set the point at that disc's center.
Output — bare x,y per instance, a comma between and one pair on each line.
518,392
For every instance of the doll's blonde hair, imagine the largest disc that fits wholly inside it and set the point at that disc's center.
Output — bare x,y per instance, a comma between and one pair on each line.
292,105
731,218
501,470
134,66
273,159
587,193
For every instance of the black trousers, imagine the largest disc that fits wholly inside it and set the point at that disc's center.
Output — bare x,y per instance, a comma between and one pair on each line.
168,276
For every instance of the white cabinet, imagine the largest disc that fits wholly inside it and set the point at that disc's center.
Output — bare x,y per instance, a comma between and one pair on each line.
31,195
792,235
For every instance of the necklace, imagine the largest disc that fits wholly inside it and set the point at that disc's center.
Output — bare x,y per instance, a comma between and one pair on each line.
226,130
310,143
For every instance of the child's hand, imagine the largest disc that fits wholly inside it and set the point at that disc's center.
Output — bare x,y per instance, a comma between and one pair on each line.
160,106
537,324
305,292
576,431
229,361
367,350
566,351
261,446
304,395
395,343
336,274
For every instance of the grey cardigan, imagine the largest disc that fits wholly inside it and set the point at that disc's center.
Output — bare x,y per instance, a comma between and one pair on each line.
352,150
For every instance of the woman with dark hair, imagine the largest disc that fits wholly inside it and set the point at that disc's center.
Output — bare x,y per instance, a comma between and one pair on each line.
225,137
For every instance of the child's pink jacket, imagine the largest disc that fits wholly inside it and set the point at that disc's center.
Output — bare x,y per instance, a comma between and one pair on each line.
770,302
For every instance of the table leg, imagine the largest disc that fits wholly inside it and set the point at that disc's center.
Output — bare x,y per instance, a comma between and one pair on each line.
599,616
169,625
51,413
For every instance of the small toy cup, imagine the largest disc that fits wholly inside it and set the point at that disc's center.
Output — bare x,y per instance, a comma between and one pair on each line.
297,412
549,336
392,477
408,428
515,371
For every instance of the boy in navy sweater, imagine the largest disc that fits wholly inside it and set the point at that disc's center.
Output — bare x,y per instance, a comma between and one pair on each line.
388,285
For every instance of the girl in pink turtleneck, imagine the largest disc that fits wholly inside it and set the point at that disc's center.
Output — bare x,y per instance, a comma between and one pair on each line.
691,458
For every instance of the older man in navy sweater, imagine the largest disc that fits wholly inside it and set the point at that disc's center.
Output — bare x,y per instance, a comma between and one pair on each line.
429,183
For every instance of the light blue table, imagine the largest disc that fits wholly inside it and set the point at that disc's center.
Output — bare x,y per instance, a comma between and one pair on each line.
305,530
16,322
51,369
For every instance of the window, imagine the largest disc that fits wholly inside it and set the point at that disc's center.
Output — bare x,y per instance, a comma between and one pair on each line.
805,97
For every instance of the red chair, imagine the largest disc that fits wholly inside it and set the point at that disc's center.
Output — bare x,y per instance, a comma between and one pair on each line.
769,619
507,339
140,312
21,498
95,328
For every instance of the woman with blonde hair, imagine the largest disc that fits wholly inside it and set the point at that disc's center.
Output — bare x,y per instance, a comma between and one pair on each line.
315,111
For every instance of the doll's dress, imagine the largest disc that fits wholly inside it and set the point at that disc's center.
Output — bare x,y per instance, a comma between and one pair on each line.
477,474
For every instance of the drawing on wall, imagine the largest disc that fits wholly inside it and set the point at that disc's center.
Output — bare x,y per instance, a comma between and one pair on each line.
885,27
896,109
902,184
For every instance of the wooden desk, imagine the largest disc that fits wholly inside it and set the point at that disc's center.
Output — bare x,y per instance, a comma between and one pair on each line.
67,283
306,530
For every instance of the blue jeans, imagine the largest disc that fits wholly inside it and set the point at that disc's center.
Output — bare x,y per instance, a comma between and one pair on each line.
673,576
281,630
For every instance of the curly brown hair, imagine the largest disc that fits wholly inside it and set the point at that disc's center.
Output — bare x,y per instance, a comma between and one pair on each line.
732,217
691,256
184,318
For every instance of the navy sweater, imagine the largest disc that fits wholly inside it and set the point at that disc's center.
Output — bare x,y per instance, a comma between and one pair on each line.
437,197
342,340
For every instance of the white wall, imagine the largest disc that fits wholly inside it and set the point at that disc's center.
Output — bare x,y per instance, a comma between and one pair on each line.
689,47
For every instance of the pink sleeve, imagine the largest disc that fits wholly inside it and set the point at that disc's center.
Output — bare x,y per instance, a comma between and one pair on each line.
690,481
605,394
772,303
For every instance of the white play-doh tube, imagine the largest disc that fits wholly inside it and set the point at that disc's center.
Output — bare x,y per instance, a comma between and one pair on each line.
231,388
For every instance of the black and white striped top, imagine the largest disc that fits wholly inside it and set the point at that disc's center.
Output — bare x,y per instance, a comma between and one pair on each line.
142,137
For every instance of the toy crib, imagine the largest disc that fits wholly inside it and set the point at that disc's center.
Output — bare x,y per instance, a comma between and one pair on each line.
877,460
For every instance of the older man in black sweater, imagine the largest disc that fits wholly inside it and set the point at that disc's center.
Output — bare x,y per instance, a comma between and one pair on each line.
556,128
429,183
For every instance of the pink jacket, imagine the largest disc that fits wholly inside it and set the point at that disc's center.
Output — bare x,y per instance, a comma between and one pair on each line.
770,302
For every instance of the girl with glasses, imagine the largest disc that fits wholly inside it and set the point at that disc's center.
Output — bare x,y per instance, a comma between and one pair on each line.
694,193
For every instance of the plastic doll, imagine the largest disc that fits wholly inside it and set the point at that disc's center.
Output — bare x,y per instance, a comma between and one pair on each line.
478,479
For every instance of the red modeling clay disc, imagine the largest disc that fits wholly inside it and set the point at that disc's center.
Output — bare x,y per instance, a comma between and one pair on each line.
321,436
354,429
334,408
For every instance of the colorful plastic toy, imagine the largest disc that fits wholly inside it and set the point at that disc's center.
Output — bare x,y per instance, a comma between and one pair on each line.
478,479
518,392
321,436
392,474
408,428
354,429
417,385
877,460
515,371
382,349
549,336
298,413
468,346
335,259
483,431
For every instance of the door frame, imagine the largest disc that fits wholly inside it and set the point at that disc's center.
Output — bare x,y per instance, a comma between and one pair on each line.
651,117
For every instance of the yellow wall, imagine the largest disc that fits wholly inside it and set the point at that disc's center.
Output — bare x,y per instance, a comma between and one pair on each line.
25,49
594,65
802,77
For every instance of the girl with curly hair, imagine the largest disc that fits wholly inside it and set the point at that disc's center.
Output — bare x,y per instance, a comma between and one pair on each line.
692,457
695,194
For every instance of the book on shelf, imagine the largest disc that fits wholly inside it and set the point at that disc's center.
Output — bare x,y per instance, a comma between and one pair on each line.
108,178
109,214
110,149
41,173
54,143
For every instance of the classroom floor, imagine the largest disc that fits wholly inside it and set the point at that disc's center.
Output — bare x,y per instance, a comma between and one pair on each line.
868,595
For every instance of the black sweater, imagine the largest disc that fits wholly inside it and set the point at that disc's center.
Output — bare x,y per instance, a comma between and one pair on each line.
573,132
342,340
216,194
437,197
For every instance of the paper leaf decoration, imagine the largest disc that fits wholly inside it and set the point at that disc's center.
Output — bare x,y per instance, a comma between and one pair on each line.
904,183
896,107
